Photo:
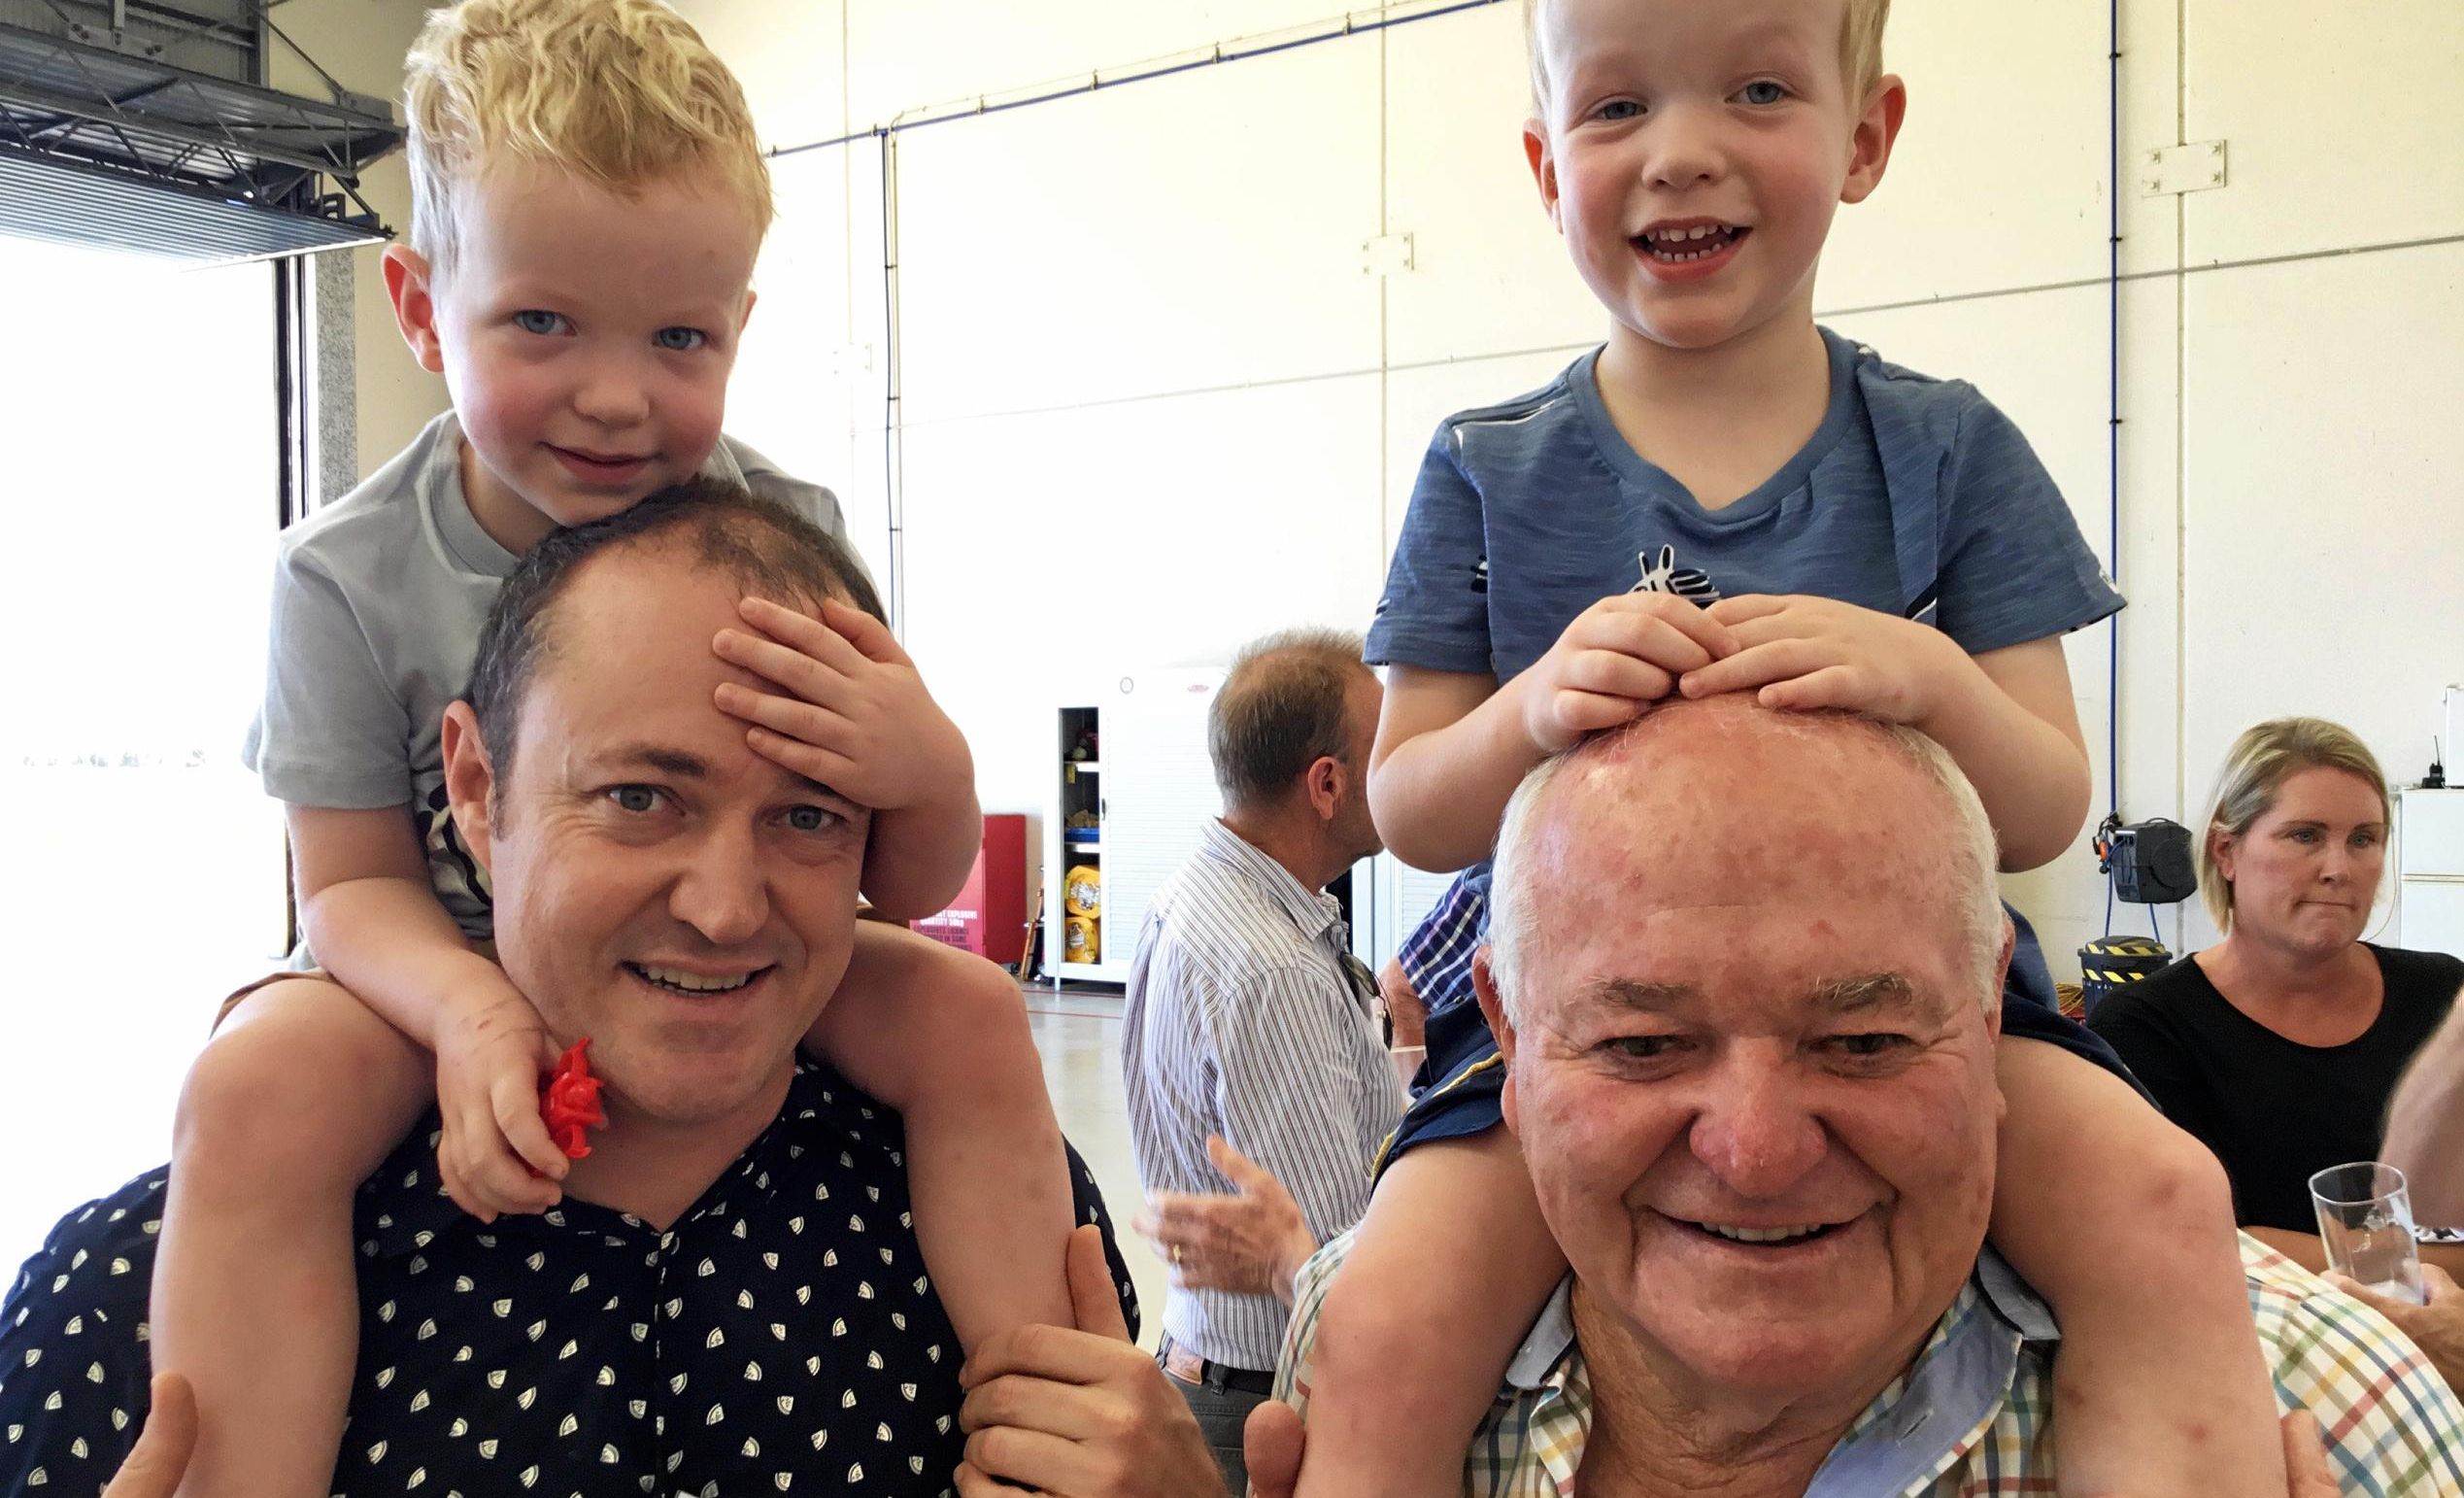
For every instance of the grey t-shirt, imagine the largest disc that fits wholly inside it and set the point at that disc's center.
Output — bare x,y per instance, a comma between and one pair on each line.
378,600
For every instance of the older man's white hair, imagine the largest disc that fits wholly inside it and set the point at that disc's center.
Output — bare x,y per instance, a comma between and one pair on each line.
1970,860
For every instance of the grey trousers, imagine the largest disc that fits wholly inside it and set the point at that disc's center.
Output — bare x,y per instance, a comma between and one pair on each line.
1220,1413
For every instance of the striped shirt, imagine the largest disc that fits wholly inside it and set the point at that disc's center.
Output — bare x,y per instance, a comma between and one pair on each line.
1242,1020
1973,1416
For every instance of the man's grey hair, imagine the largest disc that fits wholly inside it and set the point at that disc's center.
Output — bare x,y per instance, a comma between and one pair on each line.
1282,708
1970,860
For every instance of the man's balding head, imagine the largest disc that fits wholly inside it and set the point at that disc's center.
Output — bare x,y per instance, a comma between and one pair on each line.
1698,781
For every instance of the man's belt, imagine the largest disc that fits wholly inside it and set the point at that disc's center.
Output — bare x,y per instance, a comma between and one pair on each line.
1188,1367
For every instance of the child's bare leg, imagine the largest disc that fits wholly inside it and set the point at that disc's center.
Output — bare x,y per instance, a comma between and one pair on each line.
301,1095
943,1038
1387,1419
2124,1224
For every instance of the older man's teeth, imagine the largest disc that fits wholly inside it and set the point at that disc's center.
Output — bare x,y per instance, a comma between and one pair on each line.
1760,1235
693,982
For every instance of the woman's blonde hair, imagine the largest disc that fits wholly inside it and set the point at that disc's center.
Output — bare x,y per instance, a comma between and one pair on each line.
623,92
2261,760
1860,49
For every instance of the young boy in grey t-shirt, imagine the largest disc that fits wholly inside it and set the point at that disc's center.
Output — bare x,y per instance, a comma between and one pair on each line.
589,198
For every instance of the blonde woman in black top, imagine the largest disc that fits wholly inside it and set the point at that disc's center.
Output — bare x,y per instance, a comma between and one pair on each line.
2279,1045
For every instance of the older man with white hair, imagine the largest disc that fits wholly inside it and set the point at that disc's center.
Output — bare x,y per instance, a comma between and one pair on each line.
1744,975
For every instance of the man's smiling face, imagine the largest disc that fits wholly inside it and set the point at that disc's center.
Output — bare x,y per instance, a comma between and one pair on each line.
1754,1070
685,903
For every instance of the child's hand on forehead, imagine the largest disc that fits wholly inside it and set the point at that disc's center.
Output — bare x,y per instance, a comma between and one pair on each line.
851,713
1806,652
1617,658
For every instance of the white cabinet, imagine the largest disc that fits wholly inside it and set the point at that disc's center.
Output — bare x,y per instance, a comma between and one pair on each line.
1148,786
2430,870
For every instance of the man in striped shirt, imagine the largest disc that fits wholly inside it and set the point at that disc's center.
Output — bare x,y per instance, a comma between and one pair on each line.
1248,1020
1745,969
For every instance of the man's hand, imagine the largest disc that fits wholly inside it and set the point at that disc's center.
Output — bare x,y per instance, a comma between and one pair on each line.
852,712
1403,1008
1079,1414
1618,656
1806,653
157,1462
495,1155
1250,1243
2437,1328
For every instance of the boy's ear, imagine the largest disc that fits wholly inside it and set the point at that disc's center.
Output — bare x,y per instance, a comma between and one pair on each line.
1885,107
470,783
1536,150
750,297
411,285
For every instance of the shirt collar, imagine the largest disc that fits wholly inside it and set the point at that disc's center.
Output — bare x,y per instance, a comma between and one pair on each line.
1959,1379
1312,913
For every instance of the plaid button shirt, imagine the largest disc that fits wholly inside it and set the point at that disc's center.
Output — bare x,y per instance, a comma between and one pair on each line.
1973,1416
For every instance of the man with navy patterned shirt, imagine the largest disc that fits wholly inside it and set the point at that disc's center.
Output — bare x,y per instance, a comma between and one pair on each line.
730,1298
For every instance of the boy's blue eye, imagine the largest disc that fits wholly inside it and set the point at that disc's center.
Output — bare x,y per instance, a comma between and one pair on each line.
1761,91
681,339
544,324
1619,108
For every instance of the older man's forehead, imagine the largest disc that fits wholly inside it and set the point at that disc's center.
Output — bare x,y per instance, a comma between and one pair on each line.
1874,993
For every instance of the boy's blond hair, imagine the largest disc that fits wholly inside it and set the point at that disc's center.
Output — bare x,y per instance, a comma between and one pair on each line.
1860,49
623,92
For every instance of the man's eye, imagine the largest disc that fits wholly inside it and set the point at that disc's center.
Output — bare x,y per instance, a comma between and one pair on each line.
544,324
636,798
1869,1045
1644,1047
680,340
1763,91
812,819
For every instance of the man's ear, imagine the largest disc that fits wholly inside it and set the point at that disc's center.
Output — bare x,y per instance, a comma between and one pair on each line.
412,285
2001,979
1536,150
470,783
1885,110
1484,984
1326,779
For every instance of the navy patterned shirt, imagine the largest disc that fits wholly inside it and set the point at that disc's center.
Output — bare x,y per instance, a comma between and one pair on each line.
781,1336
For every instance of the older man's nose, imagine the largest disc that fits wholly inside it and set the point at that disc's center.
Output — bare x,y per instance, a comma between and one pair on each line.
1757,1138
721,893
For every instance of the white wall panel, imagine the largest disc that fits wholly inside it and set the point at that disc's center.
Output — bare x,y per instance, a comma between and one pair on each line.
1999,176
2340,122
790,58
920,52
1046,550
1160,237
1491,275
2324,552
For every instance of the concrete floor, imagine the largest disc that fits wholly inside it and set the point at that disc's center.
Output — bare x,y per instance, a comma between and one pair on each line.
1079,1034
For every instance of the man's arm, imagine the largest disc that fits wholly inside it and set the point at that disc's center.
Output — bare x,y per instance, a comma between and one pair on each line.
2425,1126
1292,1093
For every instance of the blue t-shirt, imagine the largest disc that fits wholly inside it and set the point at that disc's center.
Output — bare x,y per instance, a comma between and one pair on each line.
1915,498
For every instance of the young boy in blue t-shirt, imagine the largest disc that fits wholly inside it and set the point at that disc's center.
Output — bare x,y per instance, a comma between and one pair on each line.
1727,497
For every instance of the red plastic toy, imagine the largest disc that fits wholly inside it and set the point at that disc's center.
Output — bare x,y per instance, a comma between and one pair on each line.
569,1101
